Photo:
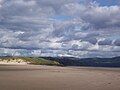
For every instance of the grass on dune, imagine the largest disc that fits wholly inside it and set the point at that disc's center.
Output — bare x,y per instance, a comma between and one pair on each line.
31,60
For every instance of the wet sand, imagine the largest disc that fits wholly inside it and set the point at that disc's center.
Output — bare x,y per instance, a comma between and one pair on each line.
33,77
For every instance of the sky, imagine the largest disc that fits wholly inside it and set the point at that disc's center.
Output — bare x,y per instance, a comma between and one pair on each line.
73,28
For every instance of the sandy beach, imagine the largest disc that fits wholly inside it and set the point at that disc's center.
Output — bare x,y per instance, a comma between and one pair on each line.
35,77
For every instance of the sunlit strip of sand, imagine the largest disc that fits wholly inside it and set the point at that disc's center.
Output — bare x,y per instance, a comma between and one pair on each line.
14,63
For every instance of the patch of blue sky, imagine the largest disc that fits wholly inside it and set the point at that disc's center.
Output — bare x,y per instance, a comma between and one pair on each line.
114,37
108,2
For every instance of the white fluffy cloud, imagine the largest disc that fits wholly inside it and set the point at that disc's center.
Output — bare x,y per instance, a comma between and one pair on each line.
64,27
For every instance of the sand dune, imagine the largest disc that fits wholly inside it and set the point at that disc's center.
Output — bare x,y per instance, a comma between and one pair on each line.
13,62
33,77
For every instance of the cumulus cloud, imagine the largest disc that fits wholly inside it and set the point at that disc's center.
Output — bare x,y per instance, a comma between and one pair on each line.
67,27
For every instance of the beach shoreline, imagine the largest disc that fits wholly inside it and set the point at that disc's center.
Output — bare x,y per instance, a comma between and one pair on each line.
42,77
